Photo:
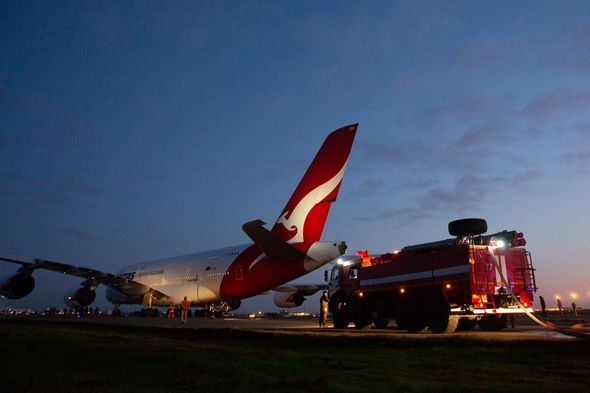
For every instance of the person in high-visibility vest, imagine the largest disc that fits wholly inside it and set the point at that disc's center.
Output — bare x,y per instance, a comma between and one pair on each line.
184,311
323,309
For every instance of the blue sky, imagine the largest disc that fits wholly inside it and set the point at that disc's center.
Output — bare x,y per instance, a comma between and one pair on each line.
131,131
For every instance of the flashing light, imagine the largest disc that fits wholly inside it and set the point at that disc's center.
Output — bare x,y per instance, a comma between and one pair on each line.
340,261
557,297
500,243
402,290
395,252
361,294
448,286
574,295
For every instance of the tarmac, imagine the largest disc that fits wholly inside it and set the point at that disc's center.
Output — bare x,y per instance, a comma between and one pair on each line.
564,327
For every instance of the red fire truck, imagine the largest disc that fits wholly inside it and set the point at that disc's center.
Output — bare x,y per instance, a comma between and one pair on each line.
445,285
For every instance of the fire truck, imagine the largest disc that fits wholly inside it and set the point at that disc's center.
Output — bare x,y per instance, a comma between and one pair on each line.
442,286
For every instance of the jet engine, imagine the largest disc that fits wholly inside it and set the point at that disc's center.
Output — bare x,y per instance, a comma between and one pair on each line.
234,304
80,297
288,299
17,286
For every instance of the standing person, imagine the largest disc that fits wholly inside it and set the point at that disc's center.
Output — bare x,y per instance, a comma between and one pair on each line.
560,306
171,311
323,309
184,311
543,307
574,309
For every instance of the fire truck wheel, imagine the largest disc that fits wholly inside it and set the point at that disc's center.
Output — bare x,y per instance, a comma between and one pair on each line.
411,316
492,323
468,226
339,321
466,324
380,323
439,319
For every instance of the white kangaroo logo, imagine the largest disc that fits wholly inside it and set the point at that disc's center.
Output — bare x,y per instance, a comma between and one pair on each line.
297,218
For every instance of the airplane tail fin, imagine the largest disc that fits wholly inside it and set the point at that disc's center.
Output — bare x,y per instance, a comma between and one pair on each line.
304,216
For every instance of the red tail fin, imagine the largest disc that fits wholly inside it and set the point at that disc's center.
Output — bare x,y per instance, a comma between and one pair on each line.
303,219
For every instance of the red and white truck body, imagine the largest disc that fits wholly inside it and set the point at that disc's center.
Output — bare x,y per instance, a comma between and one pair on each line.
442,285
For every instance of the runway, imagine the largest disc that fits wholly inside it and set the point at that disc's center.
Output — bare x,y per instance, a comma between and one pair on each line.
524,329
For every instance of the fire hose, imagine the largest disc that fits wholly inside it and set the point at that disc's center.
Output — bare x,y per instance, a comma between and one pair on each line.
566,331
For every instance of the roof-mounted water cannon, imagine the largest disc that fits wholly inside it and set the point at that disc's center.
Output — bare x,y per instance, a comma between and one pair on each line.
502,239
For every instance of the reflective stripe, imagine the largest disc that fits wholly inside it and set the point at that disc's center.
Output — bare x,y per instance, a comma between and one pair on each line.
447,271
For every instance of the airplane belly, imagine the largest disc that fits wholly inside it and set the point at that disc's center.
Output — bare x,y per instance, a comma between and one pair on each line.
206,295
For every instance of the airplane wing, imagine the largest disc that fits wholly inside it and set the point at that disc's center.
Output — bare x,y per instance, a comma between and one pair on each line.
303,289
93,277
293,295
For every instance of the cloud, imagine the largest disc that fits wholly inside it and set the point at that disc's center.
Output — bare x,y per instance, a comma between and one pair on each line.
577,162
556,104
78,235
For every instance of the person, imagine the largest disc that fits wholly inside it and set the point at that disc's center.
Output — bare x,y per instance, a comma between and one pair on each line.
323,309
171,311
560,306
543,307
184,310
574,309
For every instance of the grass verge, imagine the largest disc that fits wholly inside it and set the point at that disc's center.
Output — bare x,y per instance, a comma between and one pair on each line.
66,357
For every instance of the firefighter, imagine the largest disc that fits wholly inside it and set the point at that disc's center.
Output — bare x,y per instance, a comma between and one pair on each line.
543,307
323,309
574,309
185,305
560,306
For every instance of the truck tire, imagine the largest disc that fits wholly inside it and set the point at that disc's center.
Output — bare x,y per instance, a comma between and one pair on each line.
360,313
339,321
411,315
338,307
492,323
466,324
440,320
380,323
362,323
468,226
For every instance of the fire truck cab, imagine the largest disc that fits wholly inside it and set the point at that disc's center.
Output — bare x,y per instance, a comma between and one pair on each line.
445,285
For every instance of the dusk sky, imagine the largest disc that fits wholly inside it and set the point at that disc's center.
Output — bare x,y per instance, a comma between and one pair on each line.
131,131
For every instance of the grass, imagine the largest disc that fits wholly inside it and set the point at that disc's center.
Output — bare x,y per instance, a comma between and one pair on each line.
64,357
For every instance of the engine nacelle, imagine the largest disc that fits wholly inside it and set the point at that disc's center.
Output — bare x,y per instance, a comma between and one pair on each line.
234,304
17,286
80,297
288,299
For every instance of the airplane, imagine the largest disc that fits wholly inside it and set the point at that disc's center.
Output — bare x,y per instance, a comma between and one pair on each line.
218,280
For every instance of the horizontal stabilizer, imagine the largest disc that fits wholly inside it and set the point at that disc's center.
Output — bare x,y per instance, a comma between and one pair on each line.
271,245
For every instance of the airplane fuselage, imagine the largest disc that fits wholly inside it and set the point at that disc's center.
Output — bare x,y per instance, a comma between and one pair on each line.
223,275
